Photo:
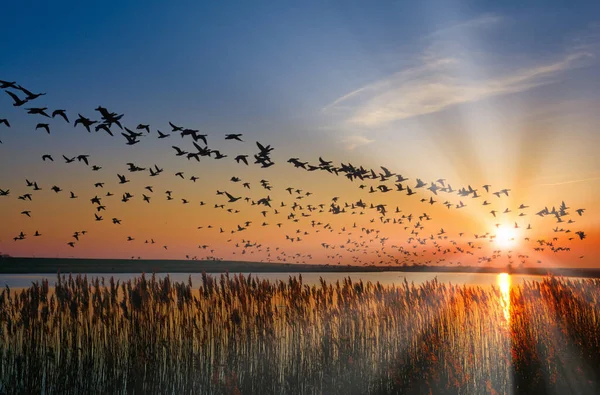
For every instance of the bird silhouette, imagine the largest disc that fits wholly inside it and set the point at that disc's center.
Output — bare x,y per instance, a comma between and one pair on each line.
61,113
17,102
44,126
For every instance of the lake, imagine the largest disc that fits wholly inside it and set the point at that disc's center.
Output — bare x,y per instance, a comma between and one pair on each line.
385,278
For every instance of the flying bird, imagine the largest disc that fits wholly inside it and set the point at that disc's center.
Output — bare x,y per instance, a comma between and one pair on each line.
44,126
61,113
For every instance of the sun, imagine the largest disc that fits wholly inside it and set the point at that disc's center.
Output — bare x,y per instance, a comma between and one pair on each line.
506,237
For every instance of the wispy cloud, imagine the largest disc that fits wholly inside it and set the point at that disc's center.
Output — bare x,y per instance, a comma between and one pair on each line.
433,86
352,142
571,182
436,82
485,20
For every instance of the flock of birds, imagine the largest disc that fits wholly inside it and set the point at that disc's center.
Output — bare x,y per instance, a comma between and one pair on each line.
364,226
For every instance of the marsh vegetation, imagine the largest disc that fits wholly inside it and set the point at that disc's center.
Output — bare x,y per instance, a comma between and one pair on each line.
238,334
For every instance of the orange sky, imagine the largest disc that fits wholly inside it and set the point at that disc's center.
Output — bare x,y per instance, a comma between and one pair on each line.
473,100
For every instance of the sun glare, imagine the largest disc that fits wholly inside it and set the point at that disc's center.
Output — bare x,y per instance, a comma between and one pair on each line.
504,283
506,237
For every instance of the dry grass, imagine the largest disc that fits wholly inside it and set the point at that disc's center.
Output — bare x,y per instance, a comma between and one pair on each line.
240,335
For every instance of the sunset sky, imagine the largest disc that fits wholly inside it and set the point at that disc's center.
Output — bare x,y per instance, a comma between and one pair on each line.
504,95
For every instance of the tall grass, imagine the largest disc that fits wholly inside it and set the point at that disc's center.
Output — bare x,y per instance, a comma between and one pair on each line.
237,334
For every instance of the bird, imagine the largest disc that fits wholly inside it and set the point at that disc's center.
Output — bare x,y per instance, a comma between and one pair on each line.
7,84
17,101
175,128
48,157
143,127
5,121
44,126
233,137
242,158
86,122
38,111
232,199
61,113
30,96
122,179
180,152
84,159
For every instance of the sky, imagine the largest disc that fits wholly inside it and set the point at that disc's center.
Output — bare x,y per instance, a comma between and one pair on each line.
474,93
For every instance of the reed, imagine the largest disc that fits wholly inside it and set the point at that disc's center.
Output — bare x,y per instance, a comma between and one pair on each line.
238,334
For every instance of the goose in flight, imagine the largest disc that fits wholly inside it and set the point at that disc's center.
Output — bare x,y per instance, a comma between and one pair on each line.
234,137
85,122
7,84
162,135
180,152
242,158
61,113
5,121
131,139
104,127
30,95
232,199
17,101
143,127
580,211
49,157
264,151
27,213
84,159
44,126
175,128
38,111
122,179
219,155
420,184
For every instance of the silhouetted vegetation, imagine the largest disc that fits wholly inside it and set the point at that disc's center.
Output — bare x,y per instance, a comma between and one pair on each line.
237,334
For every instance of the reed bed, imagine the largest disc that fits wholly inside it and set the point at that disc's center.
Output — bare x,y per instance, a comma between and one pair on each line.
240,335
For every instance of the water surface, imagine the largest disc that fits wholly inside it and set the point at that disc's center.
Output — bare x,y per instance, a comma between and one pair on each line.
385,278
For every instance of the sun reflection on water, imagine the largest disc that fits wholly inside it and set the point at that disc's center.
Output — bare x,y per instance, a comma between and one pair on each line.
504,283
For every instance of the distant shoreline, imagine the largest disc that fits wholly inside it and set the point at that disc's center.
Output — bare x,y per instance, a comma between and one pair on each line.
19,265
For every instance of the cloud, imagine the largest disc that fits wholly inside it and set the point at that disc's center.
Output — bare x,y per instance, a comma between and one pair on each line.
482,21
353,142
434,86
571,182
438,80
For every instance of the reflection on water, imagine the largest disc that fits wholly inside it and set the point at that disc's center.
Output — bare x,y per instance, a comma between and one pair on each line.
385,278
504,282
